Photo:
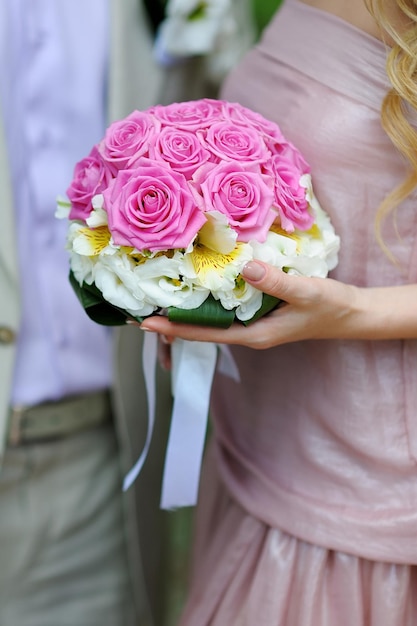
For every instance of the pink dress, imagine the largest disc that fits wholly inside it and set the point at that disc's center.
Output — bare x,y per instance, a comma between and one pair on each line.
308,500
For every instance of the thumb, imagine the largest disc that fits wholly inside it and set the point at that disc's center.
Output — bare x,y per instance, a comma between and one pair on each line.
268,279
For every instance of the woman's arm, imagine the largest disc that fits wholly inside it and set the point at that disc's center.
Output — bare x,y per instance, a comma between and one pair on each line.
315,308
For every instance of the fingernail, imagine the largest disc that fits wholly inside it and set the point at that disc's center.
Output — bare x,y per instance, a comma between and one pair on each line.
254,271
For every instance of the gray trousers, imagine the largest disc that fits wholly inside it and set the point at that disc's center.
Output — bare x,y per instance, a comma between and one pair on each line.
62,543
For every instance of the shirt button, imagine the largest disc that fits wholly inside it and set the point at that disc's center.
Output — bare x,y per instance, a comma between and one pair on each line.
7,335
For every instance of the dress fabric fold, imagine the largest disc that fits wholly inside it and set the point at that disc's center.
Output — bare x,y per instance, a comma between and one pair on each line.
307,511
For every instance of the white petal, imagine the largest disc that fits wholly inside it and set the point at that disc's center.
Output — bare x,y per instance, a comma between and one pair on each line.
97,217
63,207
216,233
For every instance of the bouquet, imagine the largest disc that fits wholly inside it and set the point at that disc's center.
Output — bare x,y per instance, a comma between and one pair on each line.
164,212
169,206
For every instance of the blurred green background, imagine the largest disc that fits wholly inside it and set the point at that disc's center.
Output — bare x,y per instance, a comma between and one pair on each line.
263,11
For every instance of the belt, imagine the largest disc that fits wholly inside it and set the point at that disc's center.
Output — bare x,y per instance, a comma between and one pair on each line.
58,419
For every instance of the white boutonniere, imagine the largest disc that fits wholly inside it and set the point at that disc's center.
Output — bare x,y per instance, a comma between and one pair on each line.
221,30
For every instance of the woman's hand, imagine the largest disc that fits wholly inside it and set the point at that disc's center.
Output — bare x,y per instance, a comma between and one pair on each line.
313,308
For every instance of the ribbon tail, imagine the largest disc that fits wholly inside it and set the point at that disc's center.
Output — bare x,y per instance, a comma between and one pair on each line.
149,361
227,364
194,364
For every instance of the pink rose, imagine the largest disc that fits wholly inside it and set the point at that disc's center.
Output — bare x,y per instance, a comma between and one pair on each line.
152,208
241,115
91,176
243,195
290,196
128,139
190,115
181,149
229,141
289,152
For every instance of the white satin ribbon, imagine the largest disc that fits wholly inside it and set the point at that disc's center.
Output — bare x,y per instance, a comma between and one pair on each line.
227,365
193,367
194,364
149,360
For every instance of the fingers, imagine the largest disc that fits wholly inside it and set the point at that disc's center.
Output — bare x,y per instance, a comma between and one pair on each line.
259,335
269,279
190,332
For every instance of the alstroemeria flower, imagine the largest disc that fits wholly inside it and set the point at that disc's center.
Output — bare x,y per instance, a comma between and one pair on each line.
216,271
98,216
151,208
126,140
89,241
82,263
216,233
91,176
243,195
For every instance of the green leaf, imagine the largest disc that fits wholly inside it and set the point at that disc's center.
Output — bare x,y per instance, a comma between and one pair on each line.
269,303
210,313
97,308
263,11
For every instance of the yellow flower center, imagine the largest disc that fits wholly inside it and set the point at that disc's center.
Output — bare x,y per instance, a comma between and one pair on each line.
276,228
314,232
206,260
97,239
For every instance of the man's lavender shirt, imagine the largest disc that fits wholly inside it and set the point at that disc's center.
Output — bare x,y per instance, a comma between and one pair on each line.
54,57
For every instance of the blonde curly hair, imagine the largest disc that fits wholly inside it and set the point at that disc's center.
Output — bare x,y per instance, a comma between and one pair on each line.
401,100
